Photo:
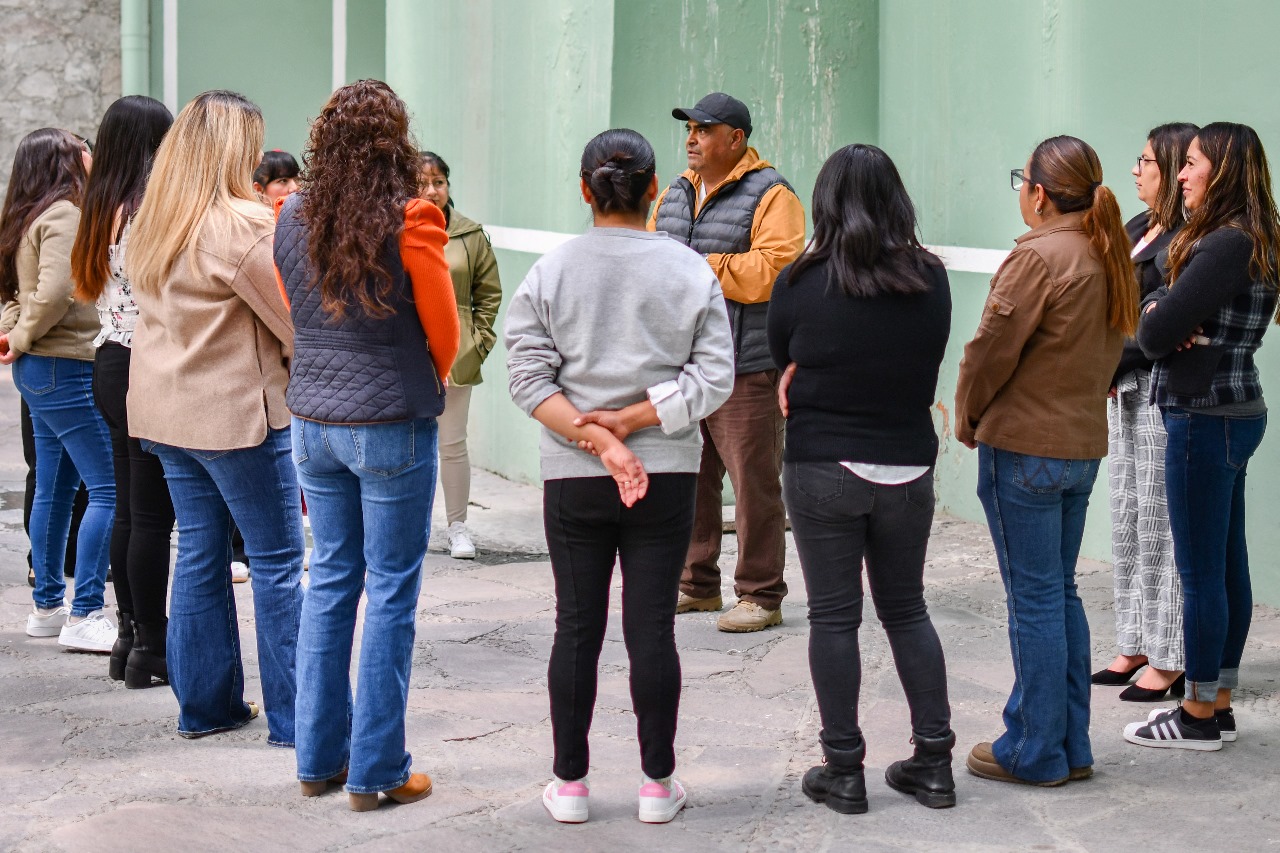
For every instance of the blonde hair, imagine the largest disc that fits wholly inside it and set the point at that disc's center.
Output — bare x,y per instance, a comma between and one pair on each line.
202,168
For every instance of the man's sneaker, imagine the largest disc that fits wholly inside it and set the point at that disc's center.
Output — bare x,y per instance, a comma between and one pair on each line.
567,801
1175,729
239,571
747,616
661,800
460,545
46,622
689,604
94,633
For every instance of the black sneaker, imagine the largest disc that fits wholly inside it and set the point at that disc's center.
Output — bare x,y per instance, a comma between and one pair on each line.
1175,729
1226,724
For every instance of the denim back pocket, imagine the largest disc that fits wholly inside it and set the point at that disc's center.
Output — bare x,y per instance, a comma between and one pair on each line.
1243,436
1042,474
298,438
819,481
36,374
920,491
385,449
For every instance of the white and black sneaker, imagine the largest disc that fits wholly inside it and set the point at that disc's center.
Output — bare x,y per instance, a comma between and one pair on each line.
1175,729
1226,724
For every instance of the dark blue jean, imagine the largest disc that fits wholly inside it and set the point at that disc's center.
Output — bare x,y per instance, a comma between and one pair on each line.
369,490
1035,508
1205,462
258,487
72,444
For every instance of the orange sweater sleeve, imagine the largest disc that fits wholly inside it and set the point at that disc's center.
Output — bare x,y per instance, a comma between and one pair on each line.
279,281
422,252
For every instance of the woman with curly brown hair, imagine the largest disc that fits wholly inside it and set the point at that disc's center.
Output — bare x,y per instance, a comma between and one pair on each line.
361,262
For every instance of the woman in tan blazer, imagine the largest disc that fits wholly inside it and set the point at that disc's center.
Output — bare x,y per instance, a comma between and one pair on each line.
206,395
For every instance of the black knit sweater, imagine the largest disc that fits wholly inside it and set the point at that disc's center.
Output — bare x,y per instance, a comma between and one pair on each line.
867,368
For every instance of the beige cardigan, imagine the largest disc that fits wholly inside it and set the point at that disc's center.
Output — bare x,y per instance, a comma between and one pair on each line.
45,318
211,349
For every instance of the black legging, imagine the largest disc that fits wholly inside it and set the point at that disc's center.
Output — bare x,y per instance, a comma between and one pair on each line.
588,529
144,512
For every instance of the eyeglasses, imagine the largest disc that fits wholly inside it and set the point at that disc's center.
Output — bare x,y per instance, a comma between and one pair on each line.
1142,160
1017,178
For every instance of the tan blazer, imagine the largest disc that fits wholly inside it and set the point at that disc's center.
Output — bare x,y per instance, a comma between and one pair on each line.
45,319
1034,379
211,349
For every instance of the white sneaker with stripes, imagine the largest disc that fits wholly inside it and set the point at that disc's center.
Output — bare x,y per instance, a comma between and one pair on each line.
1172,730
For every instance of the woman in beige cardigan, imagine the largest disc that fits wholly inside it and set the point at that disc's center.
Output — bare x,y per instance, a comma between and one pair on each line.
49,341
206,395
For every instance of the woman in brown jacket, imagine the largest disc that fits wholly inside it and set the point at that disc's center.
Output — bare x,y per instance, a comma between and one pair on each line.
1031,398
206,394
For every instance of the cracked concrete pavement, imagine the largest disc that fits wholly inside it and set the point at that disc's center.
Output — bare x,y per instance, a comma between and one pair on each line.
87,764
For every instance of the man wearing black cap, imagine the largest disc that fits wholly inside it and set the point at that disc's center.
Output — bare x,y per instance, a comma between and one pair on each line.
738,212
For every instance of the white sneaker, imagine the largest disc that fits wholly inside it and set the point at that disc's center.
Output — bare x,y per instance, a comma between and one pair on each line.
239,572
567,801
94,633
46,622
460,545
661,800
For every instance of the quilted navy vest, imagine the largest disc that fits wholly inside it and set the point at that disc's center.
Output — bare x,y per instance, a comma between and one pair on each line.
724,226
357,369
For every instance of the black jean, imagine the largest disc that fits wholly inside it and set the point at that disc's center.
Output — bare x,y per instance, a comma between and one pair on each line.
588,529
144,512
78,506
838,519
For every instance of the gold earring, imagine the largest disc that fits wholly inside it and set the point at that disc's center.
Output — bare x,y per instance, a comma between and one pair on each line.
1039,210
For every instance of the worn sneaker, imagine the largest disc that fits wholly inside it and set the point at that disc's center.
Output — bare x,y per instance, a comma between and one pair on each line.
567,801
46,622
661,799
1226,722
239,572
747,616
460,545
1175,729
689,604
93,633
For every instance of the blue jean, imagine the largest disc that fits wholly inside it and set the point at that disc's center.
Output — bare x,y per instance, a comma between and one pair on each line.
369,490
258,488
72,444
1035,509
1205,462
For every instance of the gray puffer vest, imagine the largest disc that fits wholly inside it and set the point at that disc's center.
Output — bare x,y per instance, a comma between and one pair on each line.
357,369
724,226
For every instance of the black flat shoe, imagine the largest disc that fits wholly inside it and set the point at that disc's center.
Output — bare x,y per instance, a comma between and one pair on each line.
1111,678
1134,693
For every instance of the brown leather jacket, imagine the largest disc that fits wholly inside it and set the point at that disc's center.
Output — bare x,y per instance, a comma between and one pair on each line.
1034,379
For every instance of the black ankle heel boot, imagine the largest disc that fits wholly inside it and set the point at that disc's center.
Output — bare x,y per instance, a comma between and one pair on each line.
147,660
122,646
927,774
838,781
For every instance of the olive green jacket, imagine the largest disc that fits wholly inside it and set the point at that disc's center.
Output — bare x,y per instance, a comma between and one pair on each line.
478,290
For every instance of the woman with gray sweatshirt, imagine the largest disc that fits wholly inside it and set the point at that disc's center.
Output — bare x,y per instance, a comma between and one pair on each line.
618,343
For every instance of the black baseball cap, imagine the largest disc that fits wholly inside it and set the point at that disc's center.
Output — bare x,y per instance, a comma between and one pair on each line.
717,108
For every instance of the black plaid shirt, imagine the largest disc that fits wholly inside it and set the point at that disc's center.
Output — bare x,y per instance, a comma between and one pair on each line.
1214,292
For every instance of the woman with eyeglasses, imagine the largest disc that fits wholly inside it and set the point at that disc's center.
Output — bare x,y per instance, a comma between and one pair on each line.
1031,398
1148,594
1202,329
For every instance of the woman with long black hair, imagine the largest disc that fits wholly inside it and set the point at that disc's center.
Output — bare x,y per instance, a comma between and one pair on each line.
128,138
859,325
1202,329
48,339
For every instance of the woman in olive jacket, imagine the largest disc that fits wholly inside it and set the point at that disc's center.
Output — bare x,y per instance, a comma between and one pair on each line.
478,291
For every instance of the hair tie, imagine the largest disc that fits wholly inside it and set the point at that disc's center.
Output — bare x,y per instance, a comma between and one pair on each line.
1093,187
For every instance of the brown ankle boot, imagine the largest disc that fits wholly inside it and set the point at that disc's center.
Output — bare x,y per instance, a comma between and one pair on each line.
417,788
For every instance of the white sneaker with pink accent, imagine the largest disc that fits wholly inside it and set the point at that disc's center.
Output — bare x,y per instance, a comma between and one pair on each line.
567,801
660,799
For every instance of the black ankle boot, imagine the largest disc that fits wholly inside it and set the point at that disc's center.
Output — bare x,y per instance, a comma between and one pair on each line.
147,660
927,774
123,645
838,781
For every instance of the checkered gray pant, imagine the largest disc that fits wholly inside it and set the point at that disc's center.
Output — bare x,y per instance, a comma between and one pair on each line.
1147,589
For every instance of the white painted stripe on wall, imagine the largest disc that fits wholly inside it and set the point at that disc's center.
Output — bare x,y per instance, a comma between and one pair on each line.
339,63
958,258
170,58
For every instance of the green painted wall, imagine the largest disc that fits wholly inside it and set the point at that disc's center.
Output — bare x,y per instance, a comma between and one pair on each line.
969,87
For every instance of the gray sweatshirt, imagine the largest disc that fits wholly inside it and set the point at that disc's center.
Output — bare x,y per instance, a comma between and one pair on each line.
613,316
